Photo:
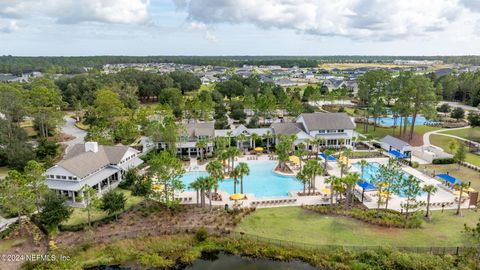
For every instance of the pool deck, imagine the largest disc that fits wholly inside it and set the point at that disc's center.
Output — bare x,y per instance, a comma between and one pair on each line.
443,196
293,199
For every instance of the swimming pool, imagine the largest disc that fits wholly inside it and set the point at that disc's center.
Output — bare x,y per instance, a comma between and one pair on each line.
389,121
370,172
262,181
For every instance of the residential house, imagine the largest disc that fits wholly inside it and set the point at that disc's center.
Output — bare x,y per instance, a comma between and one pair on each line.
333,84
98,166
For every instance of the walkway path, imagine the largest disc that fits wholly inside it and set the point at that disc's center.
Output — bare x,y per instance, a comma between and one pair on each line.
426,136
70,129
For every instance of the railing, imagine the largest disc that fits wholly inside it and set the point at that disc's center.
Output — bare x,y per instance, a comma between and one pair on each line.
451,250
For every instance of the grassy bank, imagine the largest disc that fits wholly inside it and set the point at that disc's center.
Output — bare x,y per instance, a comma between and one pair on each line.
168,251
381,132
472,134
298,225
442,142
79,215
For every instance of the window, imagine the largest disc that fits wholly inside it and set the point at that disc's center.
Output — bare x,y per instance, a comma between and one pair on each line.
58,177
340,130
70,178
64,177
321,131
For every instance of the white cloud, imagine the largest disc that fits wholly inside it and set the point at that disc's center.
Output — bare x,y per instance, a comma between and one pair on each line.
74,11
8,26
356,19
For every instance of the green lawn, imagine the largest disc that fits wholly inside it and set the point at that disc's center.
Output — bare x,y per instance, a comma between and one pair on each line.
463,173
381,132
442,142
79,215
468,133
296,224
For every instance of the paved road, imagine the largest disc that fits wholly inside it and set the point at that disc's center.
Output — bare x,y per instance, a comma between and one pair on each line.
70,128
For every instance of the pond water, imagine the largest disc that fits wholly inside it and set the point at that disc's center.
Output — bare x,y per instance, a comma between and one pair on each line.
224,261
232,262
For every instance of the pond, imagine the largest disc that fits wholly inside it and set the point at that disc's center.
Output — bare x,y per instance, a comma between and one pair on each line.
232,262
224,261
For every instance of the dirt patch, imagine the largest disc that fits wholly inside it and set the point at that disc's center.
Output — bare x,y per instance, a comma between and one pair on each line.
64,137
31,241
154,220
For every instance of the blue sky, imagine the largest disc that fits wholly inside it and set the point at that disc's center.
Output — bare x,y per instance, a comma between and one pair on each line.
239,27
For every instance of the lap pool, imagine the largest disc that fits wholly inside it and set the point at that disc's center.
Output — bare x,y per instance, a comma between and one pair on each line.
369,172
262,181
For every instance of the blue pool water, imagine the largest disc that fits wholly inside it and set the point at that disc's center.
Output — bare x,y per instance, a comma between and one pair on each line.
389,121
370,172
262,181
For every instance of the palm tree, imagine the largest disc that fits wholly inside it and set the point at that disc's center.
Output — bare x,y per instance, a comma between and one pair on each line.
461,186
327,154
196,185
202,185
430,189
235,174
347,152
312,169
232,153
229,136
268,136
341,141
224,156
210,183
317,142
243,170
300,152
215,169
332,180
254,137
202,144
349,181
303,177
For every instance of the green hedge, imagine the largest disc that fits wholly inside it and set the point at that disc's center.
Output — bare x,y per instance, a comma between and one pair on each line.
443,161
385,218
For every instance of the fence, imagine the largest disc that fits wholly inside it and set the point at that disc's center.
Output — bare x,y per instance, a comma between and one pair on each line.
420,249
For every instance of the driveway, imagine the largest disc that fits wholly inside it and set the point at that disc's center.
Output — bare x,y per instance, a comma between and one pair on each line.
70,129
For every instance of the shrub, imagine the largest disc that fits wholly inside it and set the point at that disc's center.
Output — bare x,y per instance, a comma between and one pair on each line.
415,164
443,161
201,234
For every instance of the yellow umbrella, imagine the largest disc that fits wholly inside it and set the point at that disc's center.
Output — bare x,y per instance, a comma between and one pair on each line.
237,196
259,149
157,187
384,194
326,191
294,159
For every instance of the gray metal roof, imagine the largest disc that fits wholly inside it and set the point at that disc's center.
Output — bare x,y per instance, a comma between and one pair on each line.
81,163
200,129
327,121
394,142
287,128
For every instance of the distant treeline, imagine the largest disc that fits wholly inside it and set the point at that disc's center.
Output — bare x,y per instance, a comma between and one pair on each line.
74,65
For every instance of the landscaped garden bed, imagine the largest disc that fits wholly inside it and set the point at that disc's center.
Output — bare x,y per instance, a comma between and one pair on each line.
384,218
